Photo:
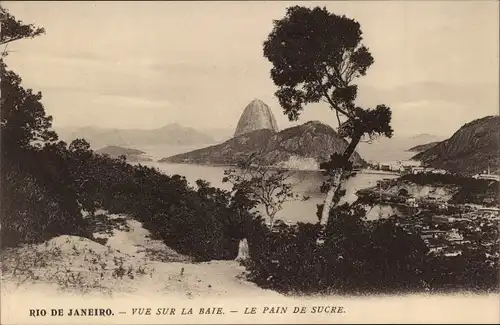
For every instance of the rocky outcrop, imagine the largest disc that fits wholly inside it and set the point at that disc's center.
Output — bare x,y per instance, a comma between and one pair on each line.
256,116
423,147
472,149
300,147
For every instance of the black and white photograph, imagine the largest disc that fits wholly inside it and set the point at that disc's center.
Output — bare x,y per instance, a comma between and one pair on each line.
236,155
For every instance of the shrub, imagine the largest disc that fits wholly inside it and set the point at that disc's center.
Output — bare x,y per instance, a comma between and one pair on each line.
360,257
35,204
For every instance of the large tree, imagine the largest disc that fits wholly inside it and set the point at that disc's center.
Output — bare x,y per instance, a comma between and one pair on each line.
23,120
317,56
36,198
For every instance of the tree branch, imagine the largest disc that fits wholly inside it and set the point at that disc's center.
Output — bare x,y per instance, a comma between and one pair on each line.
334,106
13,39
338,117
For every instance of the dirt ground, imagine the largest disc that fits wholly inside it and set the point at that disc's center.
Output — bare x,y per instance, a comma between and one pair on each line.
129,263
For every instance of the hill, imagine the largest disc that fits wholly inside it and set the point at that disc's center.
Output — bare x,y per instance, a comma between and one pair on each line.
423,147
117,151
171,134
472,149
129,153
299,147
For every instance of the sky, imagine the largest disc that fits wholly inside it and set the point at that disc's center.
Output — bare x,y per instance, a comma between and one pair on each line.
148,64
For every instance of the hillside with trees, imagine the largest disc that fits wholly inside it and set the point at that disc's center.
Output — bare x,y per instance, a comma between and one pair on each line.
308,144
471,150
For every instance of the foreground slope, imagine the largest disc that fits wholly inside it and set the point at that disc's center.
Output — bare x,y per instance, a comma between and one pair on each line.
127,262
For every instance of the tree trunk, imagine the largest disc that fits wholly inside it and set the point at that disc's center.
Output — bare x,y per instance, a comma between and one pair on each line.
337,177
327,205
350,148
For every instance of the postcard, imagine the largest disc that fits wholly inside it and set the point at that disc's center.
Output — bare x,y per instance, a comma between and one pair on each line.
269,162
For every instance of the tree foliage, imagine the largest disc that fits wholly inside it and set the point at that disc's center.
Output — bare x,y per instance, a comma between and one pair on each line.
363,257
262,185
23,121
317,56
14,30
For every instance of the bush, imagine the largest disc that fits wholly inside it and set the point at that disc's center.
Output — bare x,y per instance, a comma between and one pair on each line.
35,204
359,257
203,222
46,191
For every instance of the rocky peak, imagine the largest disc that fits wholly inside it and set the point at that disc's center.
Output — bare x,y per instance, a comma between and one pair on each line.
256,116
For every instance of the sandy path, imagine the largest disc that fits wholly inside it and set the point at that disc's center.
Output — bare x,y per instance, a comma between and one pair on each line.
130,263
175,273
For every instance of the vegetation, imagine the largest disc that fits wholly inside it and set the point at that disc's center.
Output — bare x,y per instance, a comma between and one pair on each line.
363,257
261,185
470,190
46,184
316,56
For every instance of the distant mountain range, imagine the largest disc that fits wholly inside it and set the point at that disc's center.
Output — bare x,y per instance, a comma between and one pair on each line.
171,134
300,147
472,149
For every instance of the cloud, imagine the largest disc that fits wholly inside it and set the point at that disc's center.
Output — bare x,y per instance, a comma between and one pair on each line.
131,102
190,62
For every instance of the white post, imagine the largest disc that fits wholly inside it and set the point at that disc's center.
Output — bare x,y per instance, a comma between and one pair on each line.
243,250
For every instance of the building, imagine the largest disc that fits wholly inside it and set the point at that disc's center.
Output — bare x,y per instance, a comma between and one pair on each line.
396,166
489,209
453,253
454,236
385,167
428,234
417,170
443,206
440,219
487,175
